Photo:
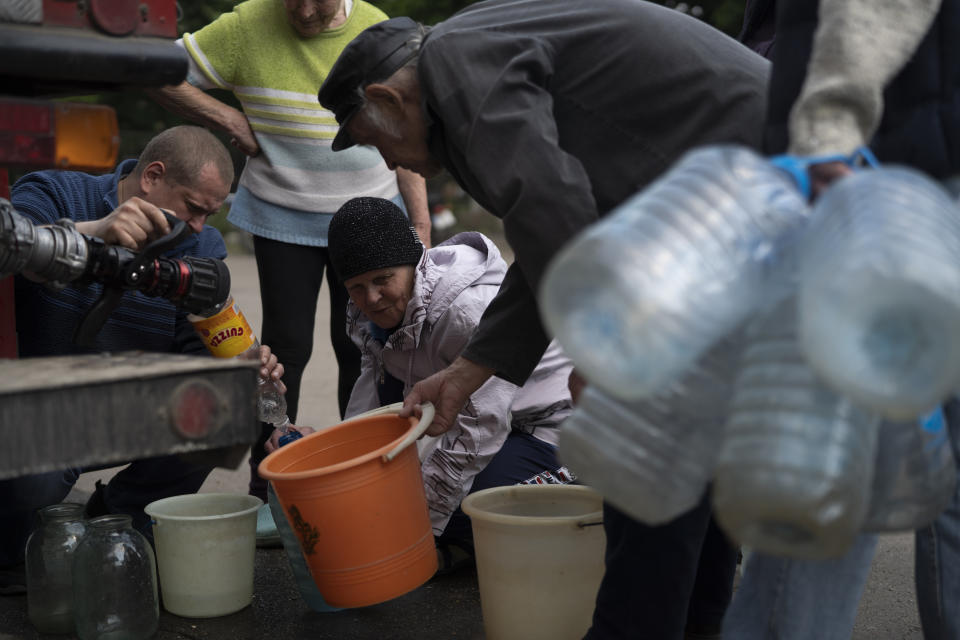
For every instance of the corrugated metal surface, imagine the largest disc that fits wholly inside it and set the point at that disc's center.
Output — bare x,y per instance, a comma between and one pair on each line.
83,410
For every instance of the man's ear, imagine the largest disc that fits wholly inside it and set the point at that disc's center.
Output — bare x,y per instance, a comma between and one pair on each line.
151,175
384,96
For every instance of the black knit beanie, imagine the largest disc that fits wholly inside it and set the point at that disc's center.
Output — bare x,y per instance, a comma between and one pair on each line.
368,234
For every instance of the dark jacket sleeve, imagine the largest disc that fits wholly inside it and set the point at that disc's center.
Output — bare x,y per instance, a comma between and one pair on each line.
510,335
500,127
759,26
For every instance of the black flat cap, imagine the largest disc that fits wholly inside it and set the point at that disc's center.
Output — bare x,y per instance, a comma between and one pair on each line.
372,56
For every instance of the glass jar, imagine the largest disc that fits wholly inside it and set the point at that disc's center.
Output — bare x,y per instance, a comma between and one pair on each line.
115,582
49,566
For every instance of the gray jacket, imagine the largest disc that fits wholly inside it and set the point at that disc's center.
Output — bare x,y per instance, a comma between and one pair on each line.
455,281
550,114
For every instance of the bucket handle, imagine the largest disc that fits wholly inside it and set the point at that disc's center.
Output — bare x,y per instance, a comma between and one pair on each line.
426,418
379,411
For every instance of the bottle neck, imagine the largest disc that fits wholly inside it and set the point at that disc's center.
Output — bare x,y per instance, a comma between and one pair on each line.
212,311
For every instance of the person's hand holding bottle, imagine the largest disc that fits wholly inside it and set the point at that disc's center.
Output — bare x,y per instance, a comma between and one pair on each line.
273,443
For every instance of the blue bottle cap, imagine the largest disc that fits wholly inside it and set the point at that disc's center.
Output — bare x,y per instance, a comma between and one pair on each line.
289,437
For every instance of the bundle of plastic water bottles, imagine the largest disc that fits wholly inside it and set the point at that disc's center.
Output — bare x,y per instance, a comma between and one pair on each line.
793,355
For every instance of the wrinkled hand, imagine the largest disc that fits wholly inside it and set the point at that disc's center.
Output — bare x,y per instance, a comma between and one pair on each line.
448,390
270,367
242,135
576,385
273,442
133,224
824,174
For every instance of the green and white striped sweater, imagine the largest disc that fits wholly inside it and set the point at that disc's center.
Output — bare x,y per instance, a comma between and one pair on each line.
275,74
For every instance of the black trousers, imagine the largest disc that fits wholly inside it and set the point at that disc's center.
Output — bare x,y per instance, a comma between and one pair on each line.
662,580
290,279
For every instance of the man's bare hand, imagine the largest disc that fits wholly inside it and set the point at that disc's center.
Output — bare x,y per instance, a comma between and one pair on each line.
133,224
448,390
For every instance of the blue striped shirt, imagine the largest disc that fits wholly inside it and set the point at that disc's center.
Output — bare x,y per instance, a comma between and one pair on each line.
46,320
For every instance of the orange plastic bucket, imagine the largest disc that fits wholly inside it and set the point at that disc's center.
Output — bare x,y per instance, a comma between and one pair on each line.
353,494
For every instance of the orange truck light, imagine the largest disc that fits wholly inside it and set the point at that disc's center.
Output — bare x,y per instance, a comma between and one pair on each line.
38,134
87,136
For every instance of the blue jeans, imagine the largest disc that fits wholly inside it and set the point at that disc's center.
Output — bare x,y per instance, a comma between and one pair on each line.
792,599
789,599
129,491
522,456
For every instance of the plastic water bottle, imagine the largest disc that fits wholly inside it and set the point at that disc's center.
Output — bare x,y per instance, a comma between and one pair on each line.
653,458
640,296
272,408
795,469
879,297
914,476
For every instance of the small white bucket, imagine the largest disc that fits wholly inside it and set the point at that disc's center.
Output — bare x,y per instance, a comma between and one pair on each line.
205,545
539,559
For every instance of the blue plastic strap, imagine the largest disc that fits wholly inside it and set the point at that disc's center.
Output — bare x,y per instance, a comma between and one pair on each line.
933,422
798,167
864,153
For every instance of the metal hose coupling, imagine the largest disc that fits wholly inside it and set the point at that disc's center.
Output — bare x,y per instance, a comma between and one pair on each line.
56,254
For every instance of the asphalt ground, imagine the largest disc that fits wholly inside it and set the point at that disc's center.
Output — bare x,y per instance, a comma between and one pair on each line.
447,607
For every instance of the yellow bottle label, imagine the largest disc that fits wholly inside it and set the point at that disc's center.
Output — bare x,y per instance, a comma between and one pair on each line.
226,334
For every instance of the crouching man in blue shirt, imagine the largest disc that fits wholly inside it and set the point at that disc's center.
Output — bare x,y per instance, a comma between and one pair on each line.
186,171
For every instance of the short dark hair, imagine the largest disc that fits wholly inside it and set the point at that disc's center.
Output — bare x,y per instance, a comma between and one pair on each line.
185,150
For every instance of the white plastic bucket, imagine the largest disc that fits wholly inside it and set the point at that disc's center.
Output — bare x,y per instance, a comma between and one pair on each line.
205,545
539,551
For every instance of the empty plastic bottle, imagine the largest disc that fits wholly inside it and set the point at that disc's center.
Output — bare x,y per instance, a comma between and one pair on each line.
879,298
272,408
49,567
914,476
795,470
640,296
653,458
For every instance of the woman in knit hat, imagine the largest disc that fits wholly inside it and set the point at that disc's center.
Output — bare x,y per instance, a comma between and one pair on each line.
412,312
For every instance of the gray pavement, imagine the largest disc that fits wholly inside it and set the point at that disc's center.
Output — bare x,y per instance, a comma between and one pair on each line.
445,607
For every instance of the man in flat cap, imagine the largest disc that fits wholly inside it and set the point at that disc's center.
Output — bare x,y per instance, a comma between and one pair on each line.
550,114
